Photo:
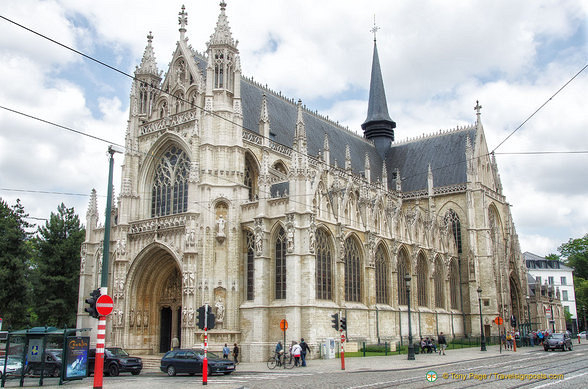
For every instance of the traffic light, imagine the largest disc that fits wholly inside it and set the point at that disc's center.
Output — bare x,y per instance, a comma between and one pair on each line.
211,319
344,323
92,303
335,321
201,312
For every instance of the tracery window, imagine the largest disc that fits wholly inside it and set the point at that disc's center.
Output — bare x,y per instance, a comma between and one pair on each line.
352,271
170,185
250,242
381,276
454,284
438,284
402,270
422,275
452,219
250,178
324,266
280,261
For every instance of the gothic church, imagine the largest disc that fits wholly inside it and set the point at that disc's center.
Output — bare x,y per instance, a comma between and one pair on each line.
236,196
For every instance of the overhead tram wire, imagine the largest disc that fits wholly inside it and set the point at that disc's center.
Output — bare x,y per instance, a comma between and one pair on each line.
240,125
540,107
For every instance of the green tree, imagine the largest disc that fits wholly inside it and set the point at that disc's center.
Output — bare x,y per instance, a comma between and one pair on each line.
57,270
575,253
14,257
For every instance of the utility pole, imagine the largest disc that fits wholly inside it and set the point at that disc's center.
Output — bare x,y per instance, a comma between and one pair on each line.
100,340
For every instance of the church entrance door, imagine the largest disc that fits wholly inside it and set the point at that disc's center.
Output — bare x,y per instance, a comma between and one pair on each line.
165,332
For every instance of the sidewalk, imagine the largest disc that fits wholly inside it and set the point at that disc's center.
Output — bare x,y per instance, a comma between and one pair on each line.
394,362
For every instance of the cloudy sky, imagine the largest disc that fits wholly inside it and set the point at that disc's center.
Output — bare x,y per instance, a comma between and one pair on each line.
437,58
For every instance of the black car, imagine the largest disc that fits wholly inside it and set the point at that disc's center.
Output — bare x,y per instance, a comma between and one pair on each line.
52,366
116,360
558,340
190,361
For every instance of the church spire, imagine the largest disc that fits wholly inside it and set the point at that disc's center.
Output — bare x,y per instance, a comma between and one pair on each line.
378,125
222,32
148,64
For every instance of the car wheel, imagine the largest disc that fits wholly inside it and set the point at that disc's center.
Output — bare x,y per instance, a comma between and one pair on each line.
113,370
136,372
55,372
227,372
171,371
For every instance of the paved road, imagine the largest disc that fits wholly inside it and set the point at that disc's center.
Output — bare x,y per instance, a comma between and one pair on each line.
527,368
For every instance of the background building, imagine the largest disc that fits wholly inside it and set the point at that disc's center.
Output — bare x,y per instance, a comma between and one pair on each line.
236,196
552,279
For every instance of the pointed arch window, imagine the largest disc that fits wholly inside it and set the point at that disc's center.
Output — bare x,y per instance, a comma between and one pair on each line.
454,284
352,271
249,243
324,266
381,276
169,194
439,284
250,178
280,265
402,270
422,275
452,220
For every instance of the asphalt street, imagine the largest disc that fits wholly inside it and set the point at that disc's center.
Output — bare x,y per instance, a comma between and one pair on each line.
464,368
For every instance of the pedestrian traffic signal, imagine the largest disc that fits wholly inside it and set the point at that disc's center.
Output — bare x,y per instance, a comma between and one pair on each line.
335,321
201,315
211,319
513,321
91,309
344,323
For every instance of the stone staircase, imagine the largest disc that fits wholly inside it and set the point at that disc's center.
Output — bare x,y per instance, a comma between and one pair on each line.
151,362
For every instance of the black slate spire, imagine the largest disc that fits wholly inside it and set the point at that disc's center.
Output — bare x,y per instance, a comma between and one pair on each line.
378,126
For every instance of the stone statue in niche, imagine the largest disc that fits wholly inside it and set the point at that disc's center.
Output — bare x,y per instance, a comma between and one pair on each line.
132,318
220,310
220,233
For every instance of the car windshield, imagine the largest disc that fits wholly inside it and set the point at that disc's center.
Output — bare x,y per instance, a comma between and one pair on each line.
118,352
209,354
556,336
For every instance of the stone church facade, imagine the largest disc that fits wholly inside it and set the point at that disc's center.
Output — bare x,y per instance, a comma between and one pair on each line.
236,196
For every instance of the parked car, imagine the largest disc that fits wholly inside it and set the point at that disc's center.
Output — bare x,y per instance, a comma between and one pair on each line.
190,361
13,366
116,360
582,335
558,340
52,366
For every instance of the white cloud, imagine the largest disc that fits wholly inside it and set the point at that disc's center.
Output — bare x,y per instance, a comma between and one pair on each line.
437,59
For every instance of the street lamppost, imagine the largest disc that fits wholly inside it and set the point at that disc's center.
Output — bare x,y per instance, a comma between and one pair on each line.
482,338
528,315
552,315
410,345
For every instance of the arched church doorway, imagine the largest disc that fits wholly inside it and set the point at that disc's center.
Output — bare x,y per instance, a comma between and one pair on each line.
156,302
515,300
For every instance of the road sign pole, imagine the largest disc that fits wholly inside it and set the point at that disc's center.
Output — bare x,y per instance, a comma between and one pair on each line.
342,350
205,361
99,361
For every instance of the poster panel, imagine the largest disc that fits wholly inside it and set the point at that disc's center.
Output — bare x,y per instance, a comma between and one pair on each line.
76,357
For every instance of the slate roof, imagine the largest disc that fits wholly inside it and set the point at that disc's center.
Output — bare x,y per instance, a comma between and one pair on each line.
445,152
534,261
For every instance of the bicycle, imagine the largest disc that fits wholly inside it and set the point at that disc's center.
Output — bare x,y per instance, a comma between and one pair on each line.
284,360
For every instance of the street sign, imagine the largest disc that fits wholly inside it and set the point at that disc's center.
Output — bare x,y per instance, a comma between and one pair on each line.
548,312
498,320
284,325
104,305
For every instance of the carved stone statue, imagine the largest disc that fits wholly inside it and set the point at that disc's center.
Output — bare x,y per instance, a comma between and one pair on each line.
220,226
220,311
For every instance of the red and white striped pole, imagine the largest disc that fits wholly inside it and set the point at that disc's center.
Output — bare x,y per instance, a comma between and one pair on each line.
342,350
99,362
205,362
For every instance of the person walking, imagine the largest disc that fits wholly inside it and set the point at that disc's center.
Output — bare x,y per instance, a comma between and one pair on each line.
296,351
305,348
236,354
279,352
226,352
442,343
